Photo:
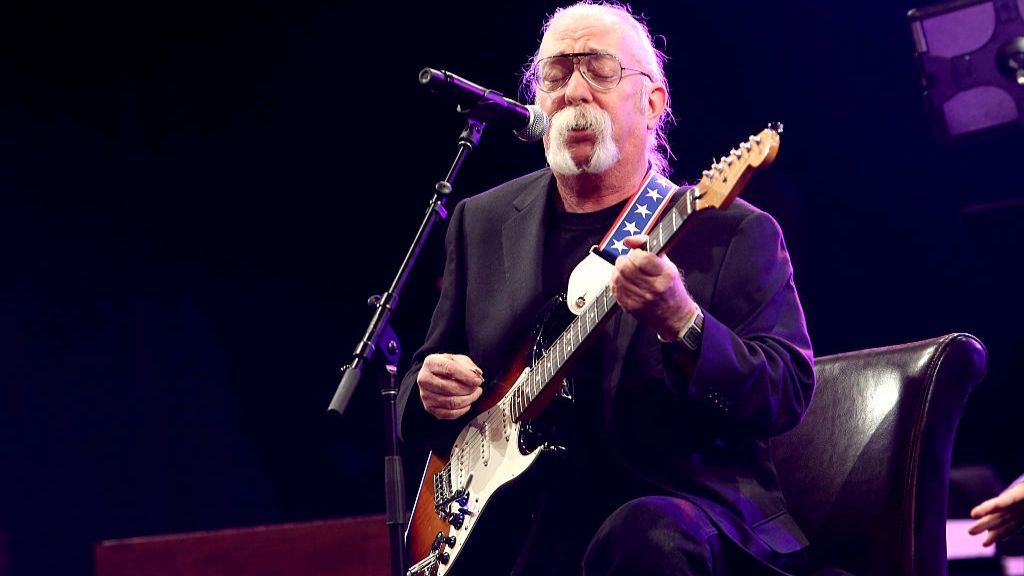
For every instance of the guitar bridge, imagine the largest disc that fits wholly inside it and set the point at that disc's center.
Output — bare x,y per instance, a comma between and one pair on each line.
444,496
442,489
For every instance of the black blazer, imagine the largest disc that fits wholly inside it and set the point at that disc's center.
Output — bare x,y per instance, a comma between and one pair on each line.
703,437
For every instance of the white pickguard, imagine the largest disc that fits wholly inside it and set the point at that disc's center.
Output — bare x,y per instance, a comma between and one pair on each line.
484,458
587,280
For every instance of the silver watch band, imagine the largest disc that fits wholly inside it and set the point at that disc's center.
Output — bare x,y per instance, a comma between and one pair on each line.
689,336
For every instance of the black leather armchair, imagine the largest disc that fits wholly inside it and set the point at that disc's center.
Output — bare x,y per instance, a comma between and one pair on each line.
867,471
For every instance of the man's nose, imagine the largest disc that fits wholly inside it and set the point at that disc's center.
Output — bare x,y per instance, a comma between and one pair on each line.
577,89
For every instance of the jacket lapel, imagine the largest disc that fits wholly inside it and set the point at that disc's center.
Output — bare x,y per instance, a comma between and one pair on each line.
522,240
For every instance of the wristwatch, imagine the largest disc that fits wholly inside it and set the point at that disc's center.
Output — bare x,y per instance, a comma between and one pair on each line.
689,336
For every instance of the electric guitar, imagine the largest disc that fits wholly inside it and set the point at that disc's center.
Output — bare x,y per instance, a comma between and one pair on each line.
492,450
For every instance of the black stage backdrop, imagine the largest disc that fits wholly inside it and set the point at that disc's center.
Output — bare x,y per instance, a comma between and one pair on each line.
197,199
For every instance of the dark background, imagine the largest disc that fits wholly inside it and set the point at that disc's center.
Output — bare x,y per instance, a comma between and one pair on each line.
197,198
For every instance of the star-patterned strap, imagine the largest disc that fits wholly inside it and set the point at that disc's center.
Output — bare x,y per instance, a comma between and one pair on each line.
639,216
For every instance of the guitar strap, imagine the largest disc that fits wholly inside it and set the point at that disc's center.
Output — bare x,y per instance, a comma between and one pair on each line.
639,215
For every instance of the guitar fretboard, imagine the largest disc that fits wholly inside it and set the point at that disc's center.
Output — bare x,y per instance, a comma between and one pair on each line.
564,349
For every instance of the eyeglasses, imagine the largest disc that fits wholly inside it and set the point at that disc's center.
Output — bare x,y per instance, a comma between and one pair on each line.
602,71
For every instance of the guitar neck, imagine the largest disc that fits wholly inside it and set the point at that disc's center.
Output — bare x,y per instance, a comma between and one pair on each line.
551,367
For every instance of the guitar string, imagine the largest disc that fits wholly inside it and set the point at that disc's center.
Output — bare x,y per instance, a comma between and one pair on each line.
521,395
517,392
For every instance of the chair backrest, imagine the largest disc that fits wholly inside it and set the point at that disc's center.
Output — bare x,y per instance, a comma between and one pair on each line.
867,472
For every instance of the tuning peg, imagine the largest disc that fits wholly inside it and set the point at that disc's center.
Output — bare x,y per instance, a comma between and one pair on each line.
775,127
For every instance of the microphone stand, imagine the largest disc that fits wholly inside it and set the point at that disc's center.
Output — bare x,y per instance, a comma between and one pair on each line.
380,331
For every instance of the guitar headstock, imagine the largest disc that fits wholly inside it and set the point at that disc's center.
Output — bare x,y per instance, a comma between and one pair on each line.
721,183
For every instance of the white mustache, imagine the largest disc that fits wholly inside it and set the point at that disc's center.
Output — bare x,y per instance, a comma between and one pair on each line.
578,118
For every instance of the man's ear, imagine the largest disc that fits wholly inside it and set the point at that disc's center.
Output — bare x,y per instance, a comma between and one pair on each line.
656,101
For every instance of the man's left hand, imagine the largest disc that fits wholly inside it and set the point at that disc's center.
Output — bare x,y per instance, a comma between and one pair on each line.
651,288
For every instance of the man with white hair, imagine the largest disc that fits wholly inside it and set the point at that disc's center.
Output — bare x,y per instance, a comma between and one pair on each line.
668,469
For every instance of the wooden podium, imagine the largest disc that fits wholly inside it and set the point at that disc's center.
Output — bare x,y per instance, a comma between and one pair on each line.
345,547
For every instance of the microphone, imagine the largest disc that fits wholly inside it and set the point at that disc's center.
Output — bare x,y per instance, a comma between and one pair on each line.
529,122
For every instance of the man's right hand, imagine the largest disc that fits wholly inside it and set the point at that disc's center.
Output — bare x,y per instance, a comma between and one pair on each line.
449,384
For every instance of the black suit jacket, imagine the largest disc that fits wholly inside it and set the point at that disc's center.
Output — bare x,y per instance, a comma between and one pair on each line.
702,437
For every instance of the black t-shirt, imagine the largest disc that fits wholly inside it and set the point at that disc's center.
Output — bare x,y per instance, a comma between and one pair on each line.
577,486
568,238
